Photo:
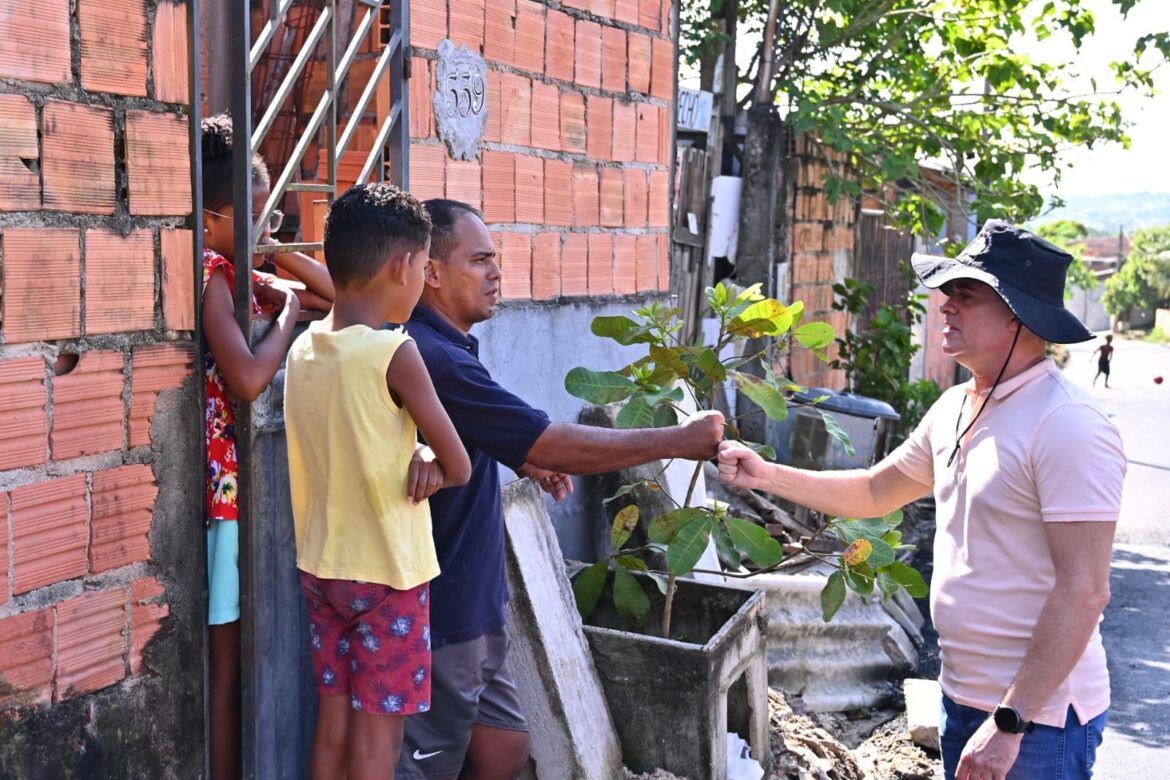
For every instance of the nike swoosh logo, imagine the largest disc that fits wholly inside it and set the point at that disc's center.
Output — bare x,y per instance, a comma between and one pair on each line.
421,756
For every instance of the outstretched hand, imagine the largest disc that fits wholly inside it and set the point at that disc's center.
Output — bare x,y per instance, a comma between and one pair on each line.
425,476
741,466
556,484
701,434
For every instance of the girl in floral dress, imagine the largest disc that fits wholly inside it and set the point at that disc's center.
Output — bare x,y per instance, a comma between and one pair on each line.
234,371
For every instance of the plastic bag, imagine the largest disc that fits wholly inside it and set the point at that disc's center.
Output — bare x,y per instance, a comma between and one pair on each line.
740,764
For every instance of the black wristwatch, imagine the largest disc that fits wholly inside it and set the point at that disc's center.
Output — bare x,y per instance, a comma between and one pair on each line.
1009,719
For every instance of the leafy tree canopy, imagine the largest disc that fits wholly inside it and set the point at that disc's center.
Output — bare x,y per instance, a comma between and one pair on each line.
1144,281
898,83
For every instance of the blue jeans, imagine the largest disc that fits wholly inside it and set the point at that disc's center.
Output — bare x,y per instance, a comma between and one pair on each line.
1046,753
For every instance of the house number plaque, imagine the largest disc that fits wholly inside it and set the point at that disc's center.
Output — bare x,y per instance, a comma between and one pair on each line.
460,99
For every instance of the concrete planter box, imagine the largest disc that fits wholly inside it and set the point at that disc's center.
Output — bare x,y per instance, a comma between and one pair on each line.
673,701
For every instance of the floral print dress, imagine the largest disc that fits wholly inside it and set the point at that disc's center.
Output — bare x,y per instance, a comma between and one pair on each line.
220,415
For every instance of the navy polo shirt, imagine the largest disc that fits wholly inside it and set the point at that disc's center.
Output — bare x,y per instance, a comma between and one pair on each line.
469,595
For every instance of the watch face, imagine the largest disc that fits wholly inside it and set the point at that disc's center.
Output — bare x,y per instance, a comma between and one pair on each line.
1007,719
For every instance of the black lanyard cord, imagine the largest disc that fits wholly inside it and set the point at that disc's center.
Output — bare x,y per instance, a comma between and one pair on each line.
982,406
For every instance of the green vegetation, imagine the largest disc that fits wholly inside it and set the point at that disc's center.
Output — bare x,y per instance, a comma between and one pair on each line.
1144,280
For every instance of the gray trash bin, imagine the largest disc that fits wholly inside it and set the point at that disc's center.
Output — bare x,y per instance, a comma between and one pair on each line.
803,442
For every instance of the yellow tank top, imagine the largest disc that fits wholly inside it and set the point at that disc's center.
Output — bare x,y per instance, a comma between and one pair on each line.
349,447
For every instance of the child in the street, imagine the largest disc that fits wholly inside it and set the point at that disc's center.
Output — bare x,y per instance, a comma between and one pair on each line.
354,393
233,370
1105,361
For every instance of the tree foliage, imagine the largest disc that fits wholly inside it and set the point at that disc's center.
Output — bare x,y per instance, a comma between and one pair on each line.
1144,280
898,83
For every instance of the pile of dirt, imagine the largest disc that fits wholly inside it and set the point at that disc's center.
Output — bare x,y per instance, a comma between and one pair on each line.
657,774
890,755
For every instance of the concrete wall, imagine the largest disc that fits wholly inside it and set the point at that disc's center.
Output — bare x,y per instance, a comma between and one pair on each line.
1086,304
101,566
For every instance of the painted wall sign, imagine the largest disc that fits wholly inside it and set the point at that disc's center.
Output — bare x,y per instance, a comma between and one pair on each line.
694,110
460,99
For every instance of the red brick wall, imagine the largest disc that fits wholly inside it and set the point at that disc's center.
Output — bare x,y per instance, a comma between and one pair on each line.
822,253
575,170
96,316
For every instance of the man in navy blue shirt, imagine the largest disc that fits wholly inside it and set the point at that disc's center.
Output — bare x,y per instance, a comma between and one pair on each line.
475,728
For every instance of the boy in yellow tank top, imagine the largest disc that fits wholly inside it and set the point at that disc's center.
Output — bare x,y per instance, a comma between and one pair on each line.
353,396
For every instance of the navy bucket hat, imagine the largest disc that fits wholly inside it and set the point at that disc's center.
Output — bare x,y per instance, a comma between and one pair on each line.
1026,271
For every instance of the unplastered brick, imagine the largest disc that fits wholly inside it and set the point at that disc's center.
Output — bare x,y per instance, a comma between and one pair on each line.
560,52
573,133
530,36
155,368
650,14
575,265
665,139
546,120
428,24
26,659
22,414
546,266
464,182
91,641
42,284
113,45
516,265
662,67
178,278
427,170
558,193
663,261
515,109
467,23
78,163
146,614
603,8
613,59
50,529
659,215
600,263
625,126
20,186
499,43
587,57
123,503
171,81
119,281
87,406
611,197
499,187
158,163
636,194
529,189
625,259
34,40
586,197
639,53
626,11
647,143
422,115
599,127
647,262
492,129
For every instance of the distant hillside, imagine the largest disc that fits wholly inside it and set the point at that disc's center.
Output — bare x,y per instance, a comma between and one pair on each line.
1108,213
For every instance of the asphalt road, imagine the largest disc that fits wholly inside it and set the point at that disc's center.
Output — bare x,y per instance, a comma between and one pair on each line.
1136,629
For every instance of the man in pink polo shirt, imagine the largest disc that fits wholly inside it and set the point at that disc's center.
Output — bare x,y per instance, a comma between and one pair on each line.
1026,472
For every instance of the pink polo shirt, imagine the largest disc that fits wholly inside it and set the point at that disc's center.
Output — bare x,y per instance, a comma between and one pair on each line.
1041,452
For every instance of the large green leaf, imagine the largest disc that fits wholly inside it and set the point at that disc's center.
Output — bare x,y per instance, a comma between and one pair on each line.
860,578
814,335
668,357
882,554
909,579
635,414
744,298
587,587
662,395
762,317
889,586
624,524
623,330
834,429
754,542
725,546
688,545
765,396
764,450
832,595
664,417
598,387
629,598
664,527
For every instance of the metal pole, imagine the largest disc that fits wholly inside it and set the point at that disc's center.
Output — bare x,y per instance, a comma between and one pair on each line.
242,205
331,119
399,156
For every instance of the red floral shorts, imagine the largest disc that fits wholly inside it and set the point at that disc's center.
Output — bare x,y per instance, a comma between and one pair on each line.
372,642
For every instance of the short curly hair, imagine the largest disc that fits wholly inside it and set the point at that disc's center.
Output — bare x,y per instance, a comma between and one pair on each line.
367,226
218,171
